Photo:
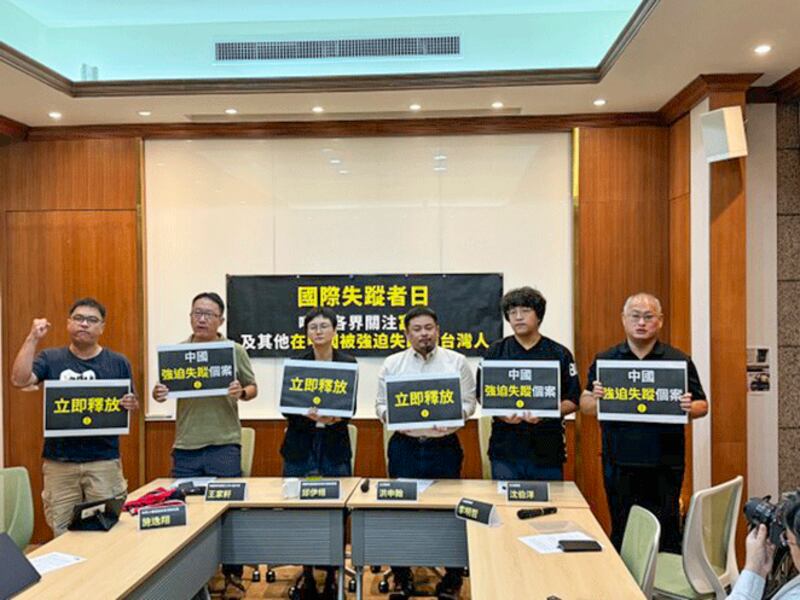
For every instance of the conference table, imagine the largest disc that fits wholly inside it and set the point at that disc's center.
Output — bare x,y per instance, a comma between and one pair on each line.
426,532
267,528
175,562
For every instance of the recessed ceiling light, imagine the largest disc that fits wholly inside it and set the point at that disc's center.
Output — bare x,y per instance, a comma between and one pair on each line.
144,113
55,115
335,161
343,171
599,102
762,49
318,109
231,111
497,105
414,107
440,168
440,157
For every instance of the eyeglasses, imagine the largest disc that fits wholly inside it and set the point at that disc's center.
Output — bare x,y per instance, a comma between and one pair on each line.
320,326
636,317
203,314
90,320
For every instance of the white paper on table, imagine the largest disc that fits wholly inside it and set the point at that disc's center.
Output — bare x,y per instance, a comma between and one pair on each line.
422,484
53,561
548,543
197,481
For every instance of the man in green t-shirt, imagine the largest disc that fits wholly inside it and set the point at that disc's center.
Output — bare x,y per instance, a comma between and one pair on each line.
207,429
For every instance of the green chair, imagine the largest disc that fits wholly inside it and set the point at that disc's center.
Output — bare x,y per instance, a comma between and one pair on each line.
248,448
708,563
640,547
484,433
17,514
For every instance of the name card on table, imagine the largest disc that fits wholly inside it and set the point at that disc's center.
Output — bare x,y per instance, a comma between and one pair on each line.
480,512
221,491
194,370
515,386
528,491
158,517
421,401
321,489
329,387
643,391
397,490
85,408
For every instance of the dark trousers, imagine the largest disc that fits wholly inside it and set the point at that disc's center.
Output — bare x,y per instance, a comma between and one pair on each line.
656,488
429,458
210,461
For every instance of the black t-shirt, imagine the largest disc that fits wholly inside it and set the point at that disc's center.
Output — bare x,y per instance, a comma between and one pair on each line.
62,365
301,430
646,444
542,443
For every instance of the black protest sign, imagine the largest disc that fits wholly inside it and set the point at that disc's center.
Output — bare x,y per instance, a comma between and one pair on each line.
85,408
265,311
195,370
528,491
319,489
515,386
643,391
158,517
397,490
328,387
420,401
226,491
474,510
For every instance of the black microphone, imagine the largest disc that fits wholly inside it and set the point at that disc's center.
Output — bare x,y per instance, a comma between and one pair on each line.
529,513
365,486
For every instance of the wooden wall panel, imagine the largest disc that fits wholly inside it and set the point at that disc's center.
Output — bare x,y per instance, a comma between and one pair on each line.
623,248
680,262
52,258
70,227
728,256
70,175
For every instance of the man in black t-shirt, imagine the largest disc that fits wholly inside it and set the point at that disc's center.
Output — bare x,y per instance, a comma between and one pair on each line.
75,469
643,463
524,447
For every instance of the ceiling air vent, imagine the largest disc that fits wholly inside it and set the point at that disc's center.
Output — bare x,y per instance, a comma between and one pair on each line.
446,45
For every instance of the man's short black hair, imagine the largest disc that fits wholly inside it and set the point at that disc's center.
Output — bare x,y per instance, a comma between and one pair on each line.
420,311
214,297
525,297
91,302
318,311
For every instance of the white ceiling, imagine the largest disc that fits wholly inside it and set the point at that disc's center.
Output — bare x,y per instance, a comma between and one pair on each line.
680,40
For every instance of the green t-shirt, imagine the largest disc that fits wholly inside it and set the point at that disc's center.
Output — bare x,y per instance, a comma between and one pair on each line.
212,421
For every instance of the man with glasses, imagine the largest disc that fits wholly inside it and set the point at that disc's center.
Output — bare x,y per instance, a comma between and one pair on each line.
643,463
75,469
524,447
208,433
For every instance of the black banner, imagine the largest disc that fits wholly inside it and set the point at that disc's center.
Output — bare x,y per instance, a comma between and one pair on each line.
528,491
320,489
397,490
420,401
265,311
513,386
475,510
82,408
330,387
158,517
645,391
194,370
223,491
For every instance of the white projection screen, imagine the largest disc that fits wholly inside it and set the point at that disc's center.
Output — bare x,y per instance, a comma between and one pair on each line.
441,204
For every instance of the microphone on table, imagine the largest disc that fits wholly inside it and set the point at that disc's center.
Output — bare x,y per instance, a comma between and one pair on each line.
529,513
365,486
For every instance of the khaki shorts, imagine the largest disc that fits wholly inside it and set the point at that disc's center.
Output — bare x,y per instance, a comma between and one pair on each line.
67,484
